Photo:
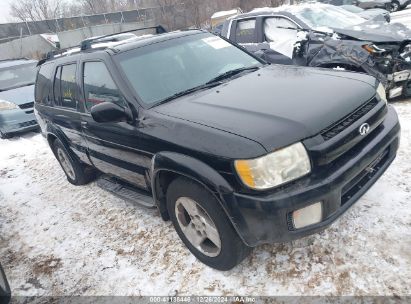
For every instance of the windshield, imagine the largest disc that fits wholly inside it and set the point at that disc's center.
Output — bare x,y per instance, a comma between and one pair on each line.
17,76
328,16
161,70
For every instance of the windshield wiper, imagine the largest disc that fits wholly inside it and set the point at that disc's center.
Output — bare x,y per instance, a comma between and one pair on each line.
189,91
231,74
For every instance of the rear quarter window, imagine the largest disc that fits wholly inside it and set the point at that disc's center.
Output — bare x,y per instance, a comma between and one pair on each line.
43,84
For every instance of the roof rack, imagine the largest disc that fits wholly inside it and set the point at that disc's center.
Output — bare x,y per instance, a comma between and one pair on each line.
88,43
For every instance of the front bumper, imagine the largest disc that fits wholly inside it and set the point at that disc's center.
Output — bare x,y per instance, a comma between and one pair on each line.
266,218
17,121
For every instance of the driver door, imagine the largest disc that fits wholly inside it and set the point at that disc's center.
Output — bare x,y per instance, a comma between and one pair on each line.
113,147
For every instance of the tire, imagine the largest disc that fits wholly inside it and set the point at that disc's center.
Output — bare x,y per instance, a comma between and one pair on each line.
76,172
231,250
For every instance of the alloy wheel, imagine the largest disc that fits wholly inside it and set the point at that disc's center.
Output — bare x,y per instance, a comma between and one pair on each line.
66,164
198,227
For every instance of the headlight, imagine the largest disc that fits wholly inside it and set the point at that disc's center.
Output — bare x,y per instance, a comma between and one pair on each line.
274,169
373,49
6,105
382,93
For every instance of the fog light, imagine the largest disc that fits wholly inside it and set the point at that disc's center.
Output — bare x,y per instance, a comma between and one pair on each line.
307,216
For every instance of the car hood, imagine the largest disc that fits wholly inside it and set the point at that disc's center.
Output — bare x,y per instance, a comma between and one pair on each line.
377,31
19,96
277,105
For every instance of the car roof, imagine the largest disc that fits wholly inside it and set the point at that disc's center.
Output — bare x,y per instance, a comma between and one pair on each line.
4,64
152,39
122,46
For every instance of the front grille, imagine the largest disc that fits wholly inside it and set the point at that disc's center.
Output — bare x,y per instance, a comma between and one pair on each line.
28,124
336,129
28,105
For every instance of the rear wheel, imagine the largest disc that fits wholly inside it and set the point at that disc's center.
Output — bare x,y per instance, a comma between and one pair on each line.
203,226
76,172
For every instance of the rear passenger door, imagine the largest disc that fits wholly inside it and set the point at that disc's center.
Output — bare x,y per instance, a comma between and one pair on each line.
113,147
65,108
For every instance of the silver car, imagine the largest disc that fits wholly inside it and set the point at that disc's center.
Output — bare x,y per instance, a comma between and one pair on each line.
17,79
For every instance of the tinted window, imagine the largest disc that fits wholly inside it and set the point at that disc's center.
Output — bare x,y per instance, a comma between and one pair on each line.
161,70
68,86
99,86
245,31
43,84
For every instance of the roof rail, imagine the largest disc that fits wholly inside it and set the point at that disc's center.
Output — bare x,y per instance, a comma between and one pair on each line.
87,44
50,55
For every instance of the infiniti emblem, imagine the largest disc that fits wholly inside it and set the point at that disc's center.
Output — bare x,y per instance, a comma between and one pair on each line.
364,129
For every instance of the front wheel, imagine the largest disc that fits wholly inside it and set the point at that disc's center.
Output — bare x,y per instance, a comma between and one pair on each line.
203,226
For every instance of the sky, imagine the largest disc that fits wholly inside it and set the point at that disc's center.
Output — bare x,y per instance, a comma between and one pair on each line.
5,10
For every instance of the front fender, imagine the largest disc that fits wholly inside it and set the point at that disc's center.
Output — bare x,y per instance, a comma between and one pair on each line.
183,165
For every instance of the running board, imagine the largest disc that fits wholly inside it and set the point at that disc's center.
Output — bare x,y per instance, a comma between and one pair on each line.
125,191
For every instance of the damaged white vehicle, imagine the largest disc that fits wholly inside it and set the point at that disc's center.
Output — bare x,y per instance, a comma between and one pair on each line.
321,35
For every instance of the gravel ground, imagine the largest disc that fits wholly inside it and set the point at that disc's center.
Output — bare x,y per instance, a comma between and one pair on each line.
57,239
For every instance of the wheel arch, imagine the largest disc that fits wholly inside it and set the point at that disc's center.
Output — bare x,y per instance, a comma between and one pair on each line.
167,166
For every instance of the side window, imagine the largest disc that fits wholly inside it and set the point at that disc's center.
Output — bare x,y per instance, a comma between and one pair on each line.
278,29
43,84
68,86
99,86
245,31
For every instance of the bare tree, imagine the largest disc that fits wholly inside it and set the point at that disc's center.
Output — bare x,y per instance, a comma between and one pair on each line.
35,10
104,6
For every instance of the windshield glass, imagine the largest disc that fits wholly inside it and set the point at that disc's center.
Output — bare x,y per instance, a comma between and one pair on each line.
328,16
17,76
161,70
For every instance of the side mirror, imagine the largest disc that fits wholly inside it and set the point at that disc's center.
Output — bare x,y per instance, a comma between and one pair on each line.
110,112
5,292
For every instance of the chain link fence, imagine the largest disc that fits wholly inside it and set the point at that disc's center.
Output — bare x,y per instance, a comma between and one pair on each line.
160,15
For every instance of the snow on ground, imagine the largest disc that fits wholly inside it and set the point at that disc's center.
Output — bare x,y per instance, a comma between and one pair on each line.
403,17
58,239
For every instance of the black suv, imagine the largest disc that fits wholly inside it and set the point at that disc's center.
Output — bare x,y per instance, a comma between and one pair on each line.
234,151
